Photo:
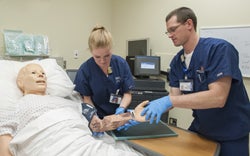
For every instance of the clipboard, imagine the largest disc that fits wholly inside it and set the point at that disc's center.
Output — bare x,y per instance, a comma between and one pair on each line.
144,130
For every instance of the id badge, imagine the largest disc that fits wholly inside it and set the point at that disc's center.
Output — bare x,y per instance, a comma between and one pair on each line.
186,85
116,99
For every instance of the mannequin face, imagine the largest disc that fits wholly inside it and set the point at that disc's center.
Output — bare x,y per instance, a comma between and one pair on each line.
32,79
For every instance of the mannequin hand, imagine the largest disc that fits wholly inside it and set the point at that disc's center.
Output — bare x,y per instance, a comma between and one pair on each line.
96,124
156,108
137,111
119,110
129,124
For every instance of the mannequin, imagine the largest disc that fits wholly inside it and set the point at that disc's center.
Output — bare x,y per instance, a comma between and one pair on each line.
32,81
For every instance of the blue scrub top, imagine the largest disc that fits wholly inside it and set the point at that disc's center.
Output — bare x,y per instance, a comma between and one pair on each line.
213,59
91,81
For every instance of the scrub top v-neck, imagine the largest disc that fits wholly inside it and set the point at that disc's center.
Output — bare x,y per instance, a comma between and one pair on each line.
91,81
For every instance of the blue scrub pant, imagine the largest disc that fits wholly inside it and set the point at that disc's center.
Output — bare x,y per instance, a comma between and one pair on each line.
238,147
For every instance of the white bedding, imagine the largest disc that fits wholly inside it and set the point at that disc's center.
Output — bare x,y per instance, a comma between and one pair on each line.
60,130
64,132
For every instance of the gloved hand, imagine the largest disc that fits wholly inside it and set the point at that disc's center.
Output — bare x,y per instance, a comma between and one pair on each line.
156,108
97,134
128,125
119,110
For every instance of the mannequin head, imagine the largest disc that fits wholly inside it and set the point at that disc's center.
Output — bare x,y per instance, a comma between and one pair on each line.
31,79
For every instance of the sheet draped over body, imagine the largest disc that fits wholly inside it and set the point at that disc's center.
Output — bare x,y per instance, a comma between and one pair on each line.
63,131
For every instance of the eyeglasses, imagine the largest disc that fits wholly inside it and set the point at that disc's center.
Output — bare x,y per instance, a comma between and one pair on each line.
172,29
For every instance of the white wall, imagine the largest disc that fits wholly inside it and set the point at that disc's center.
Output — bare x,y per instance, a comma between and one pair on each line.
67,23
146,18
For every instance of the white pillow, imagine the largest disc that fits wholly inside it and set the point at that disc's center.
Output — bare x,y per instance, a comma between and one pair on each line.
58,82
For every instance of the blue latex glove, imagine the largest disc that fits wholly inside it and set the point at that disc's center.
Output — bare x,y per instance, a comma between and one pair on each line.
97,134
156,108
128,125
119,110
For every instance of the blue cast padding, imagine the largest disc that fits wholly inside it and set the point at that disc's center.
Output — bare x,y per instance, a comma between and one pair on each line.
88,111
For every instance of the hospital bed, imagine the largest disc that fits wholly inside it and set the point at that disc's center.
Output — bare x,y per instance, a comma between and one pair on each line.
54,133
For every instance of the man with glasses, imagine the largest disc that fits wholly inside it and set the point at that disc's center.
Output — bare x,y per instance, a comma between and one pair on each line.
206,78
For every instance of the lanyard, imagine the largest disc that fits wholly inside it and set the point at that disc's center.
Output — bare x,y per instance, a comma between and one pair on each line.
185,70
186,85
184,67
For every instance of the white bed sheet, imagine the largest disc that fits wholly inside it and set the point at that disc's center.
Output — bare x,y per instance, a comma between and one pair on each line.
64,132
58,132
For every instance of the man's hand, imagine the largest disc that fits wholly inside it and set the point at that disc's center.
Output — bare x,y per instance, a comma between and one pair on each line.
156,108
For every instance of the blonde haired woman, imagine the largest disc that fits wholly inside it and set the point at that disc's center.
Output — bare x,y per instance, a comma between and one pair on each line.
104,80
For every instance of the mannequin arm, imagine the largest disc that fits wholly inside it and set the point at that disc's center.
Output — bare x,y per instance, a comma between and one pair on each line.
4,145
112,122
